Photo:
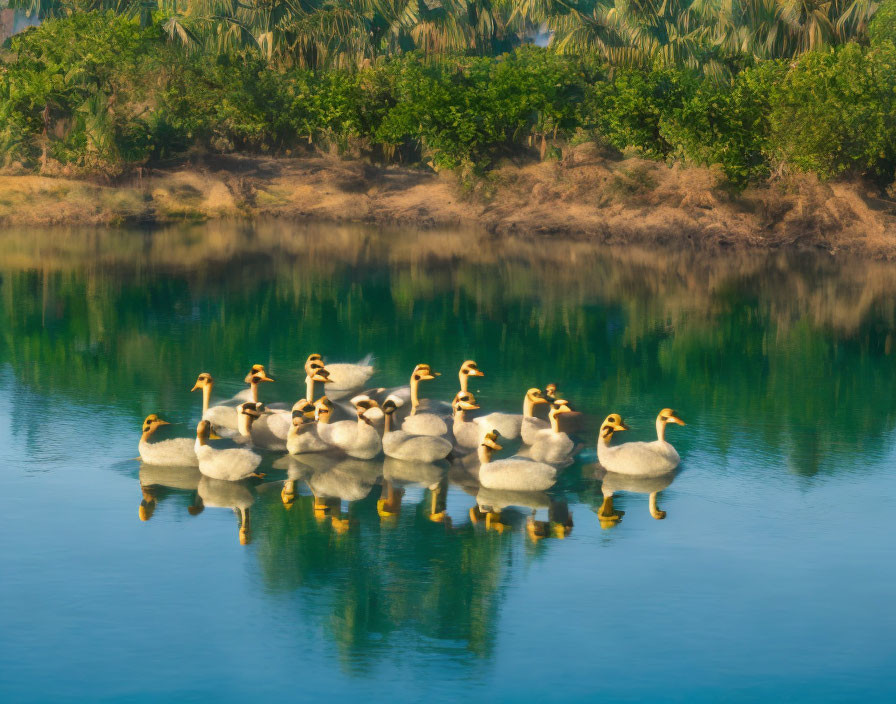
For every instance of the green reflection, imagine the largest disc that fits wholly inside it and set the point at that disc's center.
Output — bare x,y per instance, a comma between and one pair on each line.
790,354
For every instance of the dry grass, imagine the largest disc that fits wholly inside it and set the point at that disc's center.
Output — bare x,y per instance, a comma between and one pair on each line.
584,196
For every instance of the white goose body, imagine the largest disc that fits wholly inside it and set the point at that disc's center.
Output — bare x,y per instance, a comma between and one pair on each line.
303,436
356,438
640,459
425,424
514,425
531,427
551,445
405,445
515,473
346,378
231,464
176,452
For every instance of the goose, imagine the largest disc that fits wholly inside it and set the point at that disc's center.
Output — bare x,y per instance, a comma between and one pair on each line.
231,464
358,439
512,425
425,417
431,423
345,378
514,473
237,496
303,436
403,445
551,445
176,452
642,459
467,433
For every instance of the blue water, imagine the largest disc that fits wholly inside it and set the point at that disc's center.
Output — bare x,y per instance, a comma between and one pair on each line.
771,575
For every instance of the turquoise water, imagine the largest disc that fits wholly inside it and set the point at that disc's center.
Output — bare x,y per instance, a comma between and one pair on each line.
771,575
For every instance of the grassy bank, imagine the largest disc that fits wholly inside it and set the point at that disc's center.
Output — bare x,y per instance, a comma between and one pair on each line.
584,195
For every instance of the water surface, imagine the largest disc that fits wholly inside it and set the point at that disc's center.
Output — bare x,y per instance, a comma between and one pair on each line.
770,576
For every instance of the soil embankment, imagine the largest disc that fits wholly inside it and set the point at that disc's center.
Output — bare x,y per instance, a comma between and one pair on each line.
586,195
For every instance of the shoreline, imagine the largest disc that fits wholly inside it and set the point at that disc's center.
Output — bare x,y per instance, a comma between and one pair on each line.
585,196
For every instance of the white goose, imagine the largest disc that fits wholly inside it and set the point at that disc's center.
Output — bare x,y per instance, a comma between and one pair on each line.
642,459
403,445
551,445
231,464
345,378
303,436
357,439
426,417
176,452
515,473
512,425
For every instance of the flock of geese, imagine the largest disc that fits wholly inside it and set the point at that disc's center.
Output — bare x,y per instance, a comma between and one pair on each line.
337,417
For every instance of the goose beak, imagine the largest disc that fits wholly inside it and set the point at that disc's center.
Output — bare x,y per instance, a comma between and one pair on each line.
467,406
163,422
476,372
321,378
196,387
676,419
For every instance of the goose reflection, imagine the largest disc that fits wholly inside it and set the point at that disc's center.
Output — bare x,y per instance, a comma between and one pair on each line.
399,474
613,483
337,480
490,505
238,496
156,481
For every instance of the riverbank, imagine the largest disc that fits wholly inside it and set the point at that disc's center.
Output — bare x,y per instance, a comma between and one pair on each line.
586,195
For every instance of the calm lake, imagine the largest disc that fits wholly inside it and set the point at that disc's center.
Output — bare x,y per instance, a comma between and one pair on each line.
772,575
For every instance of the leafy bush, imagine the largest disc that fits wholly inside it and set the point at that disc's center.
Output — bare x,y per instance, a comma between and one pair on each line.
100,93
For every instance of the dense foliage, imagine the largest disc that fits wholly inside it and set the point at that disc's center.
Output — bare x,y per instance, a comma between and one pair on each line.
712,35
101,92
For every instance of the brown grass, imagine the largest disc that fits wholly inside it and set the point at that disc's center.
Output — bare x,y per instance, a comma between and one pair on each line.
583,196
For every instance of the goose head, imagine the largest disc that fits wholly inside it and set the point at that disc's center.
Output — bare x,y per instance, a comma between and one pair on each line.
468,369
558,408
203,381
303,408
152,423
313,359
488,446
316,371
248,412
257,374
463,401
613,424
323,408
551,390
667,415
363,404
533,398
388,407
424,372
